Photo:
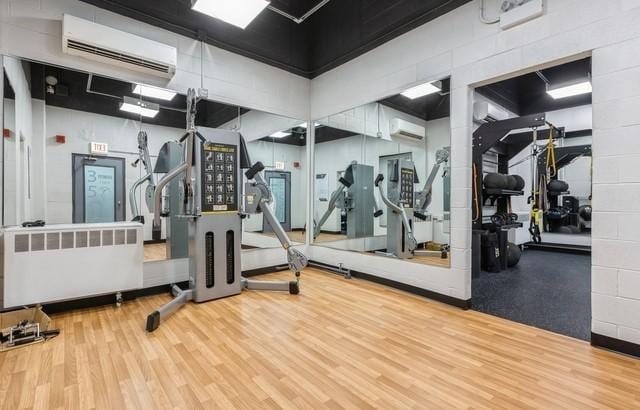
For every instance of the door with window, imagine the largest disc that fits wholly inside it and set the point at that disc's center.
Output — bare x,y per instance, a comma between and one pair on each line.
280,184
98,189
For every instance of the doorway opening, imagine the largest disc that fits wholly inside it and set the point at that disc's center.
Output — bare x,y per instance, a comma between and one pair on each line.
532,199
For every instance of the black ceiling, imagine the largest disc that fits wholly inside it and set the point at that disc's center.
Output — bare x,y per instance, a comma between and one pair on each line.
430,107
340,31
72,93
323,134
527,94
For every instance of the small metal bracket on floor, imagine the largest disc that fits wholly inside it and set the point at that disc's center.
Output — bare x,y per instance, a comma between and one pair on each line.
340,269
119,299
345,272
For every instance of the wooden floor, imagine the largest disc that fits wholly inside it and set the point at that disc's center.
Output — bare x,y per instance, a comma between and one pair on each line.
339,344
155,252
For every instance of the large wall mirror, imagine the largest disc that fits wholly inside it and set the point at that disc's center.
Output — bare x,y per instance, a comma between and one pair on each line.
73,152
382,177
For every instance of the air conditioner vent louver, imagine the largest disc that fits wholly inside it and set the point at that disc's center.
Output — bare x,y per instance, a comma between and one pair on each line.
400,128
123,58
108,45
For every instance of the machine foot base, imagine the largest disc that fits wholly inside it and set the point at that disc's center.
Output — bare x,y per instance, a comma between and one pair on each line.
153,321
294,288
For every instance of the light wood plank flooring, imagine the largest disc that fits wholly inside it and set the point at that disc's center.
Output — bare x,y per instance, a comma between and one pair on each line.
339,344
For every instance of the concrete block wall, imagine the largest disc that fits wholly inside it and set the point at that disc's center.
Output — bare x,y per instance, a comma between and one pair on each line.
616,191
32,29
475,54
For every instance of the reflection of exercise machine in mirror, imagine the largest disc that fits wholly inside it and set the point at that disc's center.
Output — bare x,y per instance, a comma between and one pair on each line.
209,174
406,206
145,159
354,196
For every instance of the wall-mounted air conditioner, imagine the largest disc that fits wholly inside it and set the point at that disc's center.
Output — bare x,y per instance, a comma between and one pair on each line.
108,45
485,111
517,12
400,128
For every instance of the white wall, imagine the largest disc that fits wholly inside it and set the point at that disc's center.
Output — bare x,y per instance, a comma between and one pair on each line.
476,54
32,29
616,189
455,44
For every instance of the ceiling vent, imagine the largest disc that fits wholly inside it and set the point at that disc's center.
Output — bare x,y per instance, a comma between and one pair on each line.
107,45
400,128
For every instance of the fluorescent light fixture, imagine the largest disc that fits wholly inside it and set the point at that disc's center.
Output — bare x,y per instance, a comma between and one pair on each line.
280,134
305,125
153,92
237,12
572,90
423,89
142,108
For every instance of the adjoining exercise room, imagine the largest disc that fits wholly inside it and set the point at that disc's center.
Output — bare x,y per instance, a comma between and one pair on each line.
532,149
248,204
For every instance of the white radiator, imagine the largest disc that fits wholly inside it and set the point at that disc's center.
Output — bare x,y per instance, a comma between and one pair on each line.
60,262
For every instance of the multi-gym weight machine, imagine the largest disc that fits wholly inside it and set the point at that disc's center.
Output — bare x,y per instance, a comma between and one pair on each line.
210,183
496,137
490,242
405,204
354,195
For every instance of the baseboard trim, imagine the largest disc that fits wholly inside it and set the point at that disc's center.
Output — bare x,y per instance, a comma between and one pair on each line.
108,299
429,294
616,345
154,241
264,271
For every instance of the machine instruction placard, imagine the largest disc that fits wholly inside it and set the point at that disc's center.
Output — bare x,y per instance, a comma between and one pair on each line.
219,177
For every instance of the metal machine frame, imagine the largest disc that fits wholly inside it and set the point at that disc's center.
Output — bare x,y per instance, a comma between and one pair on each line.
211,170
145,159
405,205
354,194
494,136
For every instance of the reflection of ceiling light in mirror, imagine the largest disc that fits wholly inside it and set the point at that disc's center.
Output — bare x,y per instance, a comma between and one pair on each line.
237,12
572,90
423,89
280,134
304,125
142,108
153,92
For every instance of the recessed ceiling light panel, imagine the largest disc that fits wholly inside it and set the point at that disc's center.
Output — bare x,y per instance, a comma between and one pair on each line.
571,90
423,90
305,125
154,92
142,108
280,134
237,12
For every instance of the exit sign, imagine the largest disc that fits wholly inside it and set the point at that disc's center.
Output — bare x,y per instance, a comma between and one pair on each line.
99,148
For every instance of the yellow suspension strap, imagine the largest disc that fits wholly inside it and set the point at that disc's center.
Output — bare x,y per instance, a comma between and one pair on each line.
551,155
